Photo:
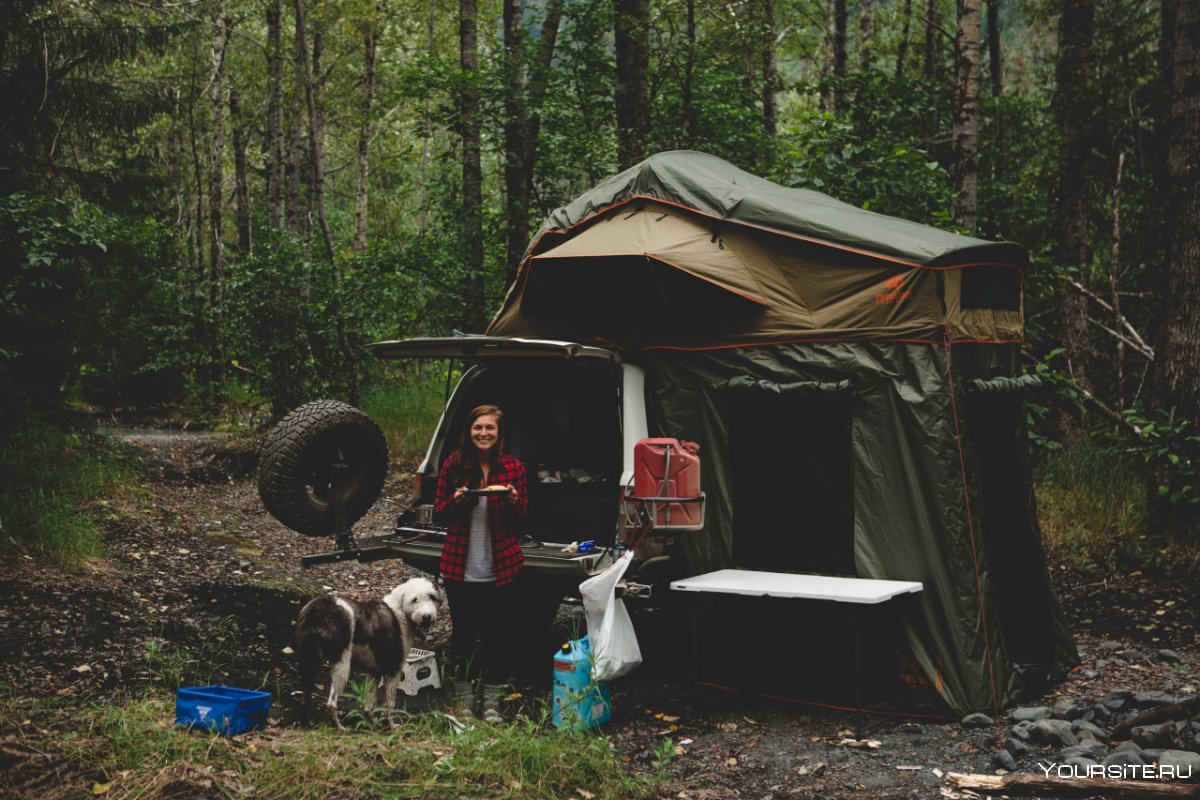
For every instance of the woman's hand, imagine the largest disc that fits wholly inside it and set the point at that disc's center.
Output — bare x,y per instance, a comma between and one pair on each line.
459,494
512,494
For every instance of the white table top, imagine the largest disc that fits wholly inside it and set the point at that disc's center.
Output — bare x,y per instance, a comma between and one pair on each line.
806,587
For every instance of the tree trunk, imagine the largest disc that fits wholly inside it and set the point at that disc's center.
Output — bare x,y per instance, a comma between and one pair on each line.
537,85
966,114
426,124
866,22
516,129
1176,382
216,160
364,134
1074,250
242,192
631,27
931,32
995,65
902,50
839,55
311,77
296,218
275,219
472,169
770,74
687,123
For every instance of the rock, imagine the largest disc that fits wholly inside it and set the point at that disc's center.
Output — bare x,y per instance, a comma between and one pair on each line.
1030,714
1080,726
977,721
1086,749
1169,657
1127,747
1016,747
1082,762
1164,735
1152,699
1066,708
1122,758
1185,762
1131,656
1152,753
1115,699
1111,646
1089,674
1056,732
1002,759
1021,731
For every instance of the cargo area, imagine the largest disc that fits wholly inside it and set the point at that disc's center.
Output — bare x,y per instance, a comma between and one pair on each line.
564,425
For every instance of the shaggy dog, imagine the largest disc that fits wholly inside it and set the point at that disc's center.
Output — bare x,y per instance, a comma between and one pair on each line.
372,637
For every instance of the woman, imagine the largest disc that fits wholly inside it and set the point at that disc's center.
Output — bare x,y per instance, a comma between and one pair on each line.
481,557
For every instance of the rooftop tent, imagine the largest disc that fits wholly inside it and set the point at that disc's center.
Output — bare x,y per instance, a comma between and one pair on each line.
862,340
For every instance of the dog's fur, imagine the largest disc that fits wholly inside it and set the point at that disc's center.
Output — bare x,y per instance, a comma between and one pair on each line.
372,637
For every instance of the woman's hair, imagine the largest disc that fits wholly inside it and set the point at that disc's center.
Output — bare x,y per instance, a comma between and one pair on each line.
466,469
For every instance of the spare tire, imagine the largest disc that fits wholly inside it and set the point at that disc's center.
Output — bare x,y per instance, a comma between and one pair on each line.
296,466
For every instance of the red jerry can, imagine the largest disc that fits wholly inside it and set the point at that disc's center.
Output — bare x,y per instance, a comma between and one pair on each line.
669,468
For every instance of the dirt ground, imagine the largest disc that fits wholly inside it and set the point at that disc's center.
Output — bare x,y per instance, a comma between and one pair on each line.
197,567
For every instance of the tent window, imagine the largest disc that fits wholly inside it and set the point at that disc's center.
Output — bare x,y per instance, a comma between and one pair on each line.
792,497
995,287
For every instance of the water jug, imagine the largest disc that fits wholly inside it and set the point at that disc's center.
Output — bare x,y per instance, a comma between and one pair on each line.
578,701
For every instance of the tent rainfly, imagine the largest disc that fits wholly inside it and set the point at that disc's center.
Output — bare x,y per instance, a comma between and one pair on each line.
853,379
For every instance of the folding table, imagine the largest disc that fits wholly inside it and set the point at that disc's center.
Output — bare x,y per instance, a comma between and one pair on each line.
857,591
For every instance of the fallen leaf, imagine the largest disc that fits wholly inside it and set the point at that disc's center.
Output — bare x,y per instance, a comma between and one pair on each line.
81,668
287,651
669,718
731,762
100,788
585,794
728,726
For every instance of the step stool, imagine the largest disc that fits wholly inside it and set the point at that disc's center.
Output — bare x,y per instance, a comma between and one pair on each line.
420,670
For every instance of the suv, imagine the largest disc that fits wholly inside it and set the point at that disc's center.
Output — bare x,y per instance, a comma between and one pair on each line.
573,413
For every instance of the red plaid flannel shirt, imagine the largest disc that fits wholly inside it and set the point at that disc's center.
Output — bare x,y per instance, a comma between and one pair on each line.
503,515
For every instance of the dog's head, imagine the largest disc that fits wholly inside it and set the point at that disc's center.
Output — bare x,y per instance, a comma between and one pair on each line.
417,601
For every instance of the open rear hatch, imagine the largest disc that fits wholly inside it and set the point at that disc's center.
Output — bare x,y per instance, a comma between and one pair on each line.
419,541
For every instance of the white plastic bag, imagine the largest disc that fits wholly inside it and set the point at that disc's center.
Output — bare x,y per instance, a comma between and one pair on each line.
615,650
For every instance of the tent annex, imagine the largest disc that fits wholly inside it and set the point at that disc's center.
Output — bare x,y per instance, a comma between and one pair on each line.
853,380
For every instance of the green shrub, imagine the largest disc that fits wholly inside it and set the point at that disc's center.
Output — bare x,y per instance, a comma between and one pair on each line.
52,485
408,411
1093,504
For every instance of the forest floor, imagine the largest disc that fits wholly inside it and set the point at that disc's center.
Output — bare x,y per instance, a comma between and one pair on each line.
196,566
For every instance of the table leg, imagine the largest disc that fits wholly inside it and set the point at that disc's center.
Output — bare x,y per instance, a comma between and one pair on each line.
857,674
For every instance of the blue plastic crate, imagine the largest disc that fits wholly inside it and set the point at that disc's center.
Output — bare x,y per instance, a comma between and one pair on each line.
224,709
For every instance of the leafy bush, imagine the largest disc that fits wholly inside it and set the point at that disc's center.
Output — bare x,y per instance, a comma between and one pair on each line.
1093,505
52,485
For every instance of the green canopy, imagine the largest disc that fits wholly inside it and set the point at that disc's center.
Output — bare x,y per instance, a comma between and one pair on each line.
854,382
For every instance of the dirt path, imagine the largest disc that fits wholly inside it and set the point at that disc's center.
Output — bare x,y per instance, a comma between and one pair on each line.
202,585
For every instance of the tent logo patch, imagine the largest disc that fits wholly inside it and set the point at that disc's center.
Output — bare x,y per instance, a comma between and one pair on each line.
894,295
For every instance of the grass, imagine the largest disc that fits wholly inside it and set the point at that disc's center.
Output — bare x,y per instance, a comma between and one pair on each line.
1093,506
407,413
52,485
131,749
